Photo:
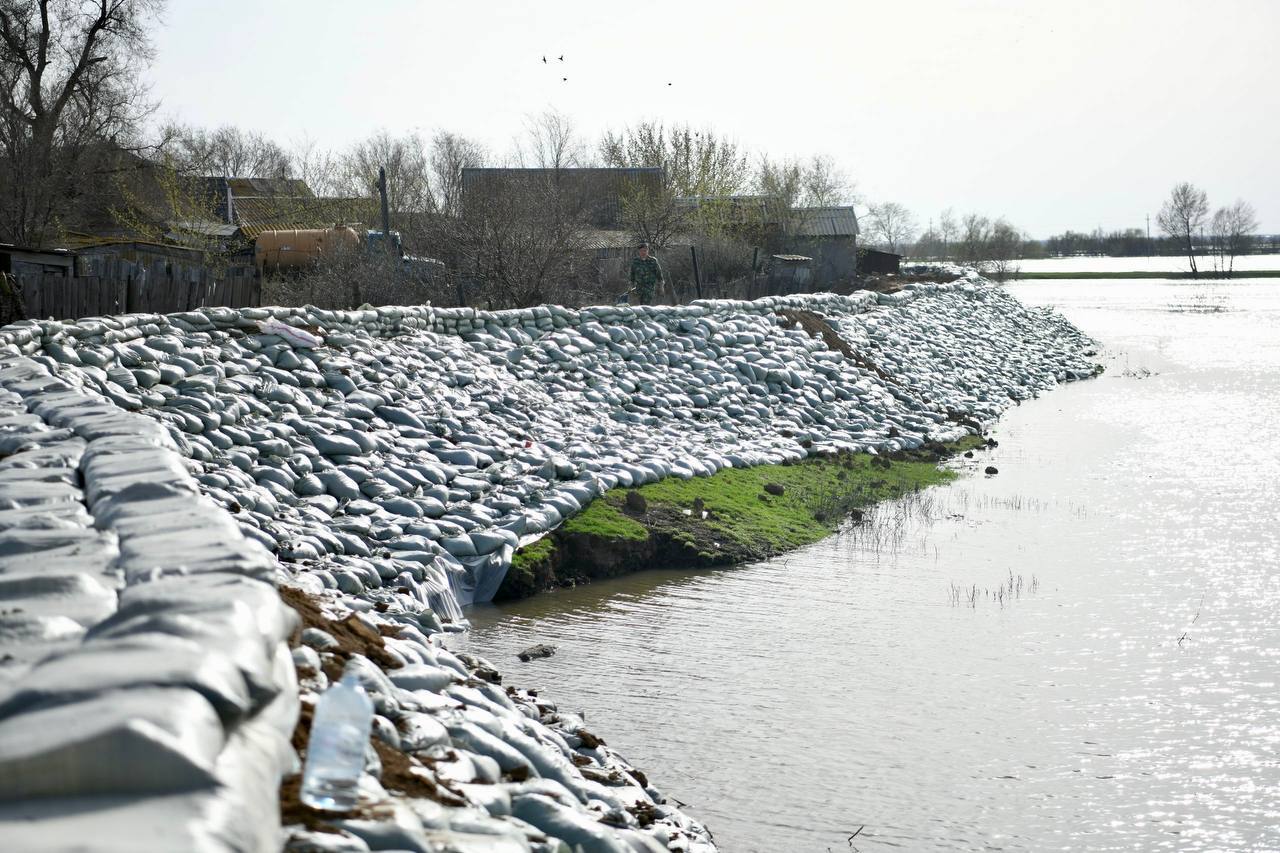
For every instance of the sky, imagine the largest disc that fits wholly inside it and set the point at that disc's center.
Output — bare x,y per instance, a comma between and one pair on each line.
1055,114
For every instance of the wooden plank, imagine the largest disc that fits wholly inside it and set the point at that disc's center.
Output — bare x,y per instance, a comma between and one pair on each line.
54,288
31,297
99,306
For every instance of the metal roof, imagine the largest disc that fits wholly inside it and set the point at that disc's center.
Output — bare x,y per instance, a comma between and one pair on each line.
602,238
257,214
203,227
824,222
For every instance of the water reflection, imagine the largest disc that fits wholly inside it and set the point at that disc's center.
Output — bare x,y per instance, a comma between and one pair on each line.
1126,702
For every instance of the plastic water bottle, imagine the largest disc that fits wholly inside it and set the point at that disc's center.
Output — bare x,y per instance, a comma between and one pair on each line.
335,752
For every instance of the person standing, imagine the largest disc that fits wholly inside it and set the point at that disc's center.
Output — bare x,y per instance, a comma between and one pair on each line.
647,279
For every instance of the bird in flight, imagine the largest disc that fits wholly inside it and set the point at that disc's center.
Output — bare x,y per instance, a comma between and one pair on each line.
564,79
562,57
544,60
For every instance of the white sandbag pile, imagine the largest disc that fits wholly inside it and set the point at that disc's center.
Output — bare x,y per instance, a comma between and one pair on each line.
142,640
393,459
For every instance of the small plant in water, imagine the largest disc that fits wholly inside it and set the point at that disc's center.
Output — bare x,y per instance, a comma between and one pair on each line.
1011,590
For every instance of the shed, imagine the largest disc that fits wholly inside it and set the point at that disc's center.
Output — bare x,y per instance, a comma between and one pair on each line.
876,262
790,274
830,236
21,260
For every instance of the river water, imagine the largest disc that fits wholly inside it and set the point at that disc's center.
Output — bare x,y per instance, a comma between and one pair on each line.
1079,653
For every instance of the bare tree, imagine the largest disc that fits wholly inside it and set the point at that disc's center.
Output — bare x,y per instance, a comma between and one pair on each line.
892,224
228,151
824,184
551,142
70,99
1233,229
408,180
947,230
780,179
1005,245
694,162
319,168
522,240
1182,216
972,235
993,247
450,154
654,214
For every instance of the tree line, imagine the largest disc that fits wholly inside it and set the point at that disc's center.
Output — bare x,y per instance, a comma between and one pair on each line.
1210,240
80,149
77,134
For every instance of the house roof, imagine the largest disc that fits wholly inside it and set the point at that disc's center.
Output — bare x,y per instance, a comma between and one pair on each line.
201,227
256,214
824,222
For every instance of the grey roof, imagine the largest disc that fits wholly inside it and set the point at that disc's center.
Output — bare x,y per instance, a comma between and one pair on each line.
824,222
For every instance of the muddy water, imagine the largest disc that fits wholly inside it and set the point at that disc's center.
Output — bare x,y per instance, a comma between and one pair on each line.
1082,652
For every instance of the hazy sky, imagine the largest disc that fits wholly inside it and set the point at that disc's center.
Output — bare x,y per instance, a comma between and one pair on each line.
1055,113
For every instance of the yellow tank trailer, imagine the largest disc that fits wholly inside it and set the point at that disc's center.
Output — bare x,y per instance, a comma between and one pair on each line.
291,249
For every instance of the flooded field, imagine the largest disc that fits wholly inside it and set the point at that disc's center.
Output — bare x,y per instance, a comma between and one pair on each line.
1174,264
1080,652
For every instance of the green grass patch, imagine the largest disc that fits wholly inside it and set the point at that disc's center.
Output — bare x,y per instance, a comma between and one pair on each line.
604,518
735,516
533,554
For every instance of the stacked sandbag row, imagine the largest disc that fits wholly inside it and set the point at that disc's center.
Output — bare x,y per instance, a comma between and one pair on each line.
417,447
148,691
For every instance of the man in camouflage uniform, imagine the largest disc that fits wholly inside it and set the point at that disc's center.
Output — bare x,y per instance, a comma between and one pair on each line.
646,276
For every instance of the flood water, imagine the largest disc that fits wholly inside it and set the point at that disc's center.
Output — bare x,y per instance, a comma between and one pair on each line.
1158,263
1080,653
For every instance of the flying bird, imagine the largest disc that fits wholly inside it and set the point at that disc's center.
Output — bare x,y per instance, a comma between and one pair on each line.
562,57
564,79
544,60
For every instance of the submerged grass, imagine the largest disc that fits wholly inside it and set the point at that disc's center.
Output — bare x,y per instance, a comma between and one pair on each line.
734,516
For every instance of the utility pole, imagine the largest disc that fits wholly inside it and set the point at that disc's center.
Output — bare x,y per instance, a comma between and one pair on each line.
697,276
386,211
1148,235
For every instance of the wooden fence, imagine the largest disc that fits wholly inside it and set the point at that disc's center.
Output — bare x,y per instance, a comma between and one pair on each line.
125,287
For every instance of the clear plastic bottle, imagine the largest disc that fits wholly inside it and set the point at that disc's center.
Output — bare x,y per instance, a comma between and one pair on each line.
335,751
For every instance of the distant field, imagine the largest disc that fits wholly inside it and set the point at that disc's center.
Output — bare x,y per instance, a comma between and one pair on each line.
1163,267
1027,275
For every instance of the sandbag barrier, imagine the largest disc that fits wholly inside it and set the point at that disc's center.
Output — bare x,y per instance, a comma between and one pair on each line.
148,689
393,469
418,447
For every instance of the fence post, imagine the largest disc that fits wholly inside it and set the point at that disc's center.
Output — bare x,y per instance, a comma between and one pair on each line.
697,277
